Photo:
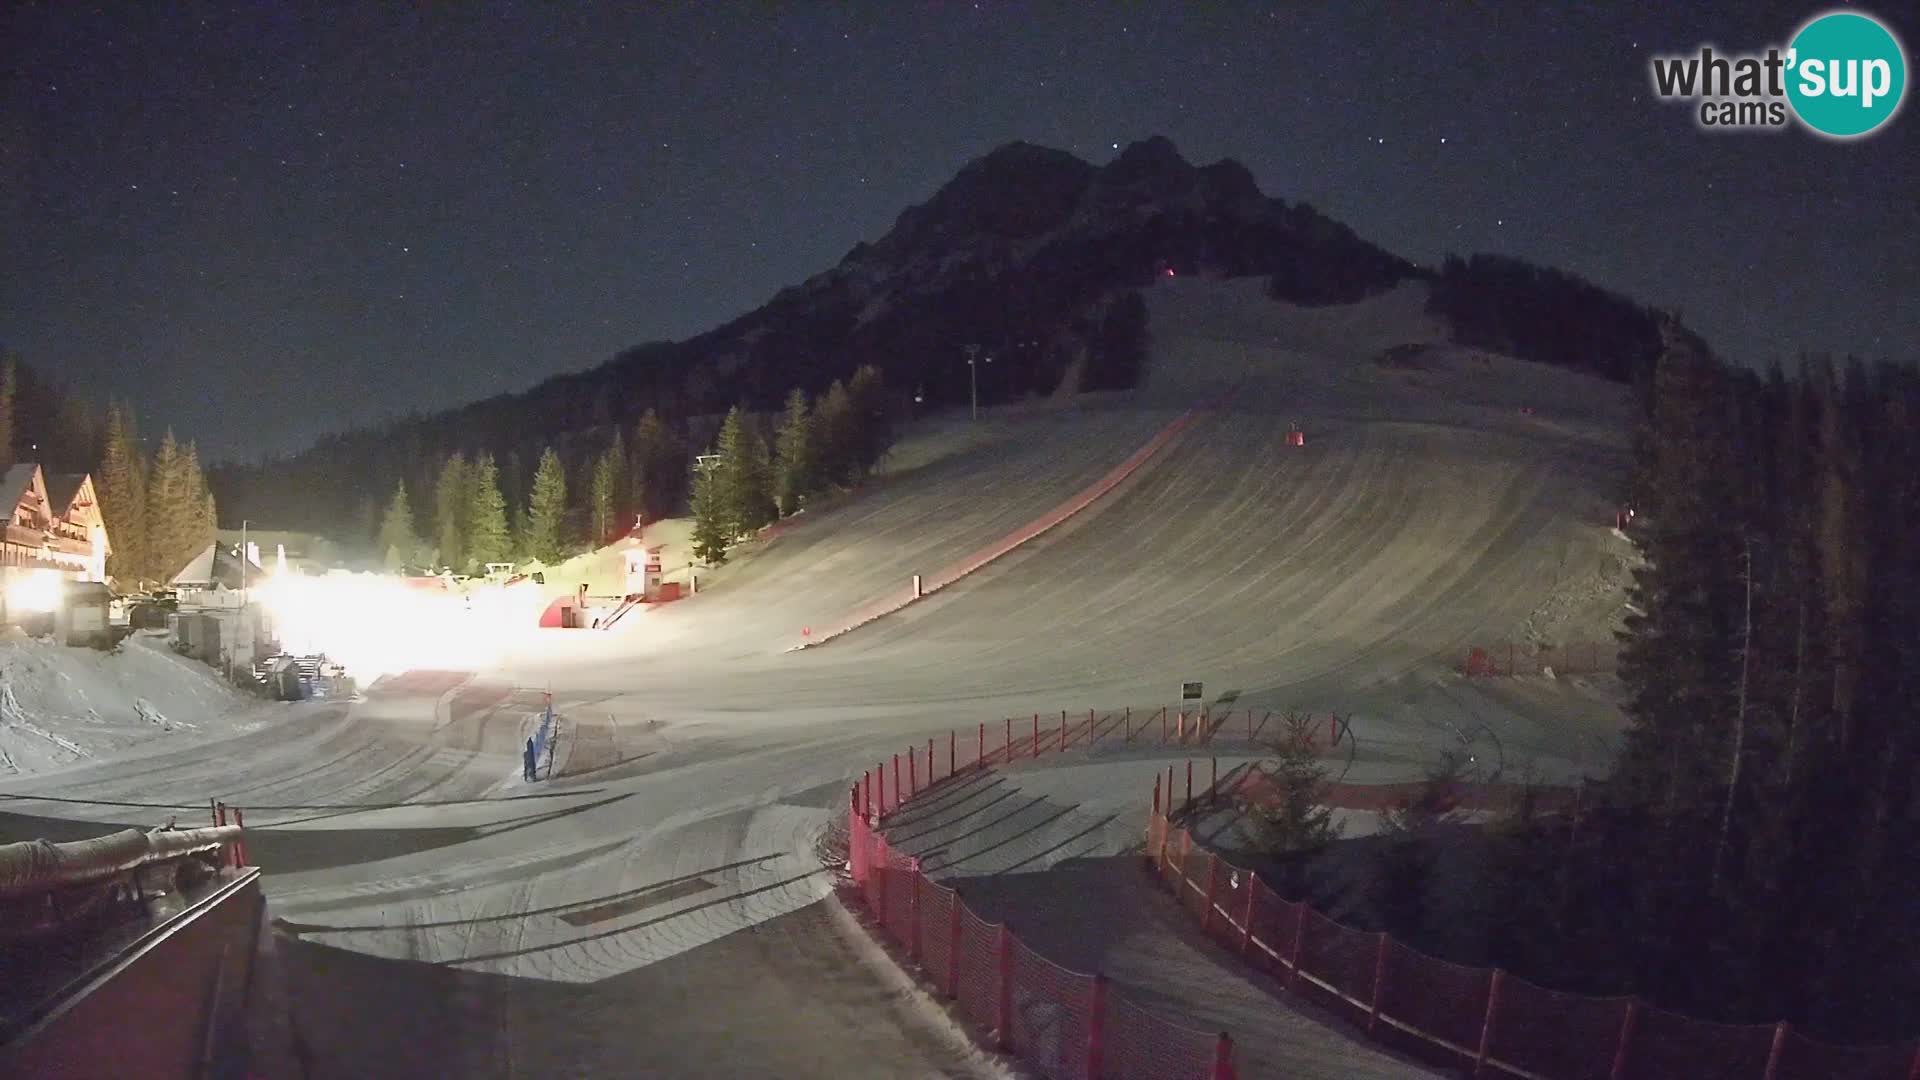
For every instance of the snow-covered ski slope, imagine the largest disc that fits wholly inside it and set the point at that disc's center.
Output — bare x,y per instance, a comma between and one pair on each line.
1426,511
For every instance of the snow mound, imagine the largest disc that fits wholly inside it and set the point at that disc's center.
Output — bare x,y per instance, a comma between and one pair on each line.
61,705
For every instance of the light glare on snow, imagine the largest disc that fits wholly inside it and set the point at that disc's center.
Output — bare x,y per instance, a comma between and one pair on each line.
375,624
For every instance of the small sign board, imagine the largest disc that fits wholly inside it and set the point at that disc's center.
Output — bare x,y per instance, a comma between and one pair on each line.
1190,691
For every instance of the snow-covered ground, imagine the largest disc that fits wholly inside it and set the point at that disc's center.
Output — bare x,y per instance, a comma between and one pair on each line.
61,705
1426,512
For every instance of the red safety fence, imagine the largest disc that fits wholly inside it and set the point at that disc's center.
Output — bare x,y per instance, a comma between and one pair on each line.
885,787
1574,658
1065,1024
1492,1023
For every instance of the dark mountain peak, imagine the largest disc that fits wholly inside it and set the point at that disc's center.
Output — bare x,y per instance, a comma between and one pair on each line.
1019,155
1228,180
1152,155
1018,190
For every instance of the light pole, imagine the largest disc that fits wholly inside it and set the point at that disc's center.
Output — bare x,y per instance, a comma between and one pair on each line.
973,377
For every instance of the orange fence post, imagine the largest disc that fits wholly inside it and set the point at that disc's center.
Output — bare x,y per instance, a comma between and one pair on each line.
1006,751
1379,983
980,759
1779,1047
213,811
1156,793
1249,727
896,781
953,754
1063,731
1486,1026
1189,805
1036,734
1222,1058
877,869
1163,725
913,910
953,947
1622,1052
240,845
1169,792
1126,725
929,761
913,776
1090,730
1213,785
1097,1028
1003,1015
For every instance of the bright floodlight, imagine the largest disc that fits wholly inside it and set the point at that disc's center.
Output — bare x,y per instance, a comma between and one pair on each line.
374,625
33,591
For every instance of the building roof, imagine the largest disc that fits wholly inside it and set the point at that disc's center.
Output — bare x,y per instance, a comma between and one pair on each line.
215,565
14,485
61,488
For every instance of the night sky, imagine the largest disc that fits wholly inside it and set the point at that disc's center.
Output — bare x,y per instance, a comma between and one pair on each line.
265,223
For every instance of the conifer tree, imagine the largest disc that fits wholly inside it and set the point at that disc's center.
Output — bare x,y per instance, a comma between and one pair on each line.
743,475
122,498
656,469
451,503
487,539
77,439
605,494
168,527
838,435
797,465
199,526
1681,657
711,529
398,541
547,510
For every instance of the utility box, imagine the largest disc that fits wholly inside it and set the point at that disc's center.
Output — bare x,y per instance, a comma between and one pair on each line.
653,573
195,635
84,615
644,574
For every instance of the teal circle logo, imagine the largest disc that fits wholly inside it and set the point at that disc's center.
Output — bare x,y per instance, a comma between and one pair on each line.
1846,74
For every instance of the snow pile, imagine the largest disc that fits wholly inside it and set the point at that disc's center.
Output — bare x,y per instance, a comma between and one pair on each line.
1589,602
60,705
